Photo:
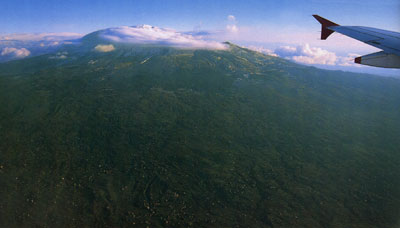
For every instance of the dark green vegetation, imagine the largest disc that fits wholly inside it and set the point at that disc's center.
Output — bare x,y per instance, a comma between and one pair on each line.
195,138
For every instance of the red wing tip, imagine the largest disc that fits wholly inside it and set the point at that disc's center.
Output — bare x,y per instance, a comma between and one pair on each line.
325,22
357,60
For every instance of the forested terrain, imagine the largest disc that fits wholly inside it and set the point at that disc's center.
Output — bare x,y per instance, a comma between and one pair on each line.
161,137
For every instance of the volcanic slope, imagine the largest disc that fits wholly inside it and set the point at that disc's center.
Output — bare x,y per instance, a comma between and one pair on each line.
155,136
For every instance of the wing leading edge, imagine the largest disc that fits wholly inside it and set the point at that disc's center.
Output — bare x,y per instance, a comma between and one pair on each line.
388,41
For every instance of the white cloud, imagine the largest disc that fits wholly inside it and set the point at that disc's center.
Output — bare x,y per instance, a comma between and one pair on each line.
348,60
104,48
41,36
231,18
308,55
313,55
262,50
15,46
60,55
147,34
232,28
52,43
15,52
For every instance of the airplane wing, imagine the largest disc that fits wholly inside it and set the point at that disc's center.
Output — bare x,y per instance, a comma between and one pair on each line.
388,41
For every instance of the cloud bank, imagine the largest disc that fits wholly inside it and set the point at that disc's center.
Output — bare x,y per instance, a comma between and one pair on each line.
308,55
16,46
147,34
41,37
262,50
15,52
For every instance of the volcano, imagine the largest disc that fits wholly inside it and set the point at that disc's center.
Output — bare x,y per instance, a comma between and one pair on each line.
120,133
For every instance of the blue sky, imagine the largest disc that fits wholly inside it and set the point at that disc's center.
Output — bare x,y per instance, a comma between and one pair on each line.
26,16
257,23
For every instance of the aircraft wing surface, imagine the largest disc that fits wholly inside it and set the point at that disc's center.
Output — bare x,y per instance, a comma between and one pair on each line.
388,41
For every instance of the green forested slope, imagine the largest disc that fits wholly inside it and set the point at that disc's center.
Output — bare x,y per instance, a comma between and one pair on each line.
161,137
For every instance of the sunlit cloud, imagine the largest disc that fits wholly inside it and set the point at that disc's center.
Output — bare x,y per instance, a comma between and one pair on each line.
231,18
316,56
147,34
15,52
15,46
104,48
263,50
308,55
232,27
349,60
60,55
41,37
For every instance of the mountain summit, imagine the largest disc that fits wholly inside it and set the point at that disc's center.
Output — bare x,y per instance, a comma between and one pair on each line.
147,34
